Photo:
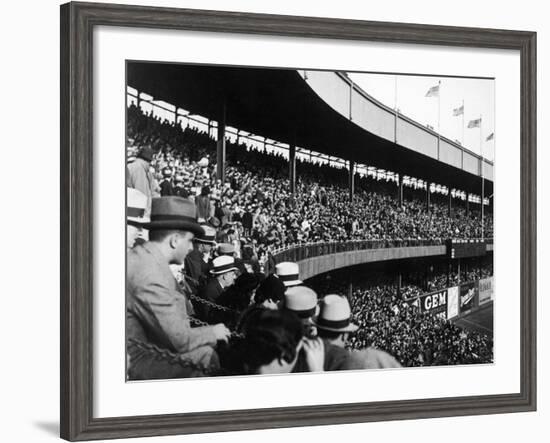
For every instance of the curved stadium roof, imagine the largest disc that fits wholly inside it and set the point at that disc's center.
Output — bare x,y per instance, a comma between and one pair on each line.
280,105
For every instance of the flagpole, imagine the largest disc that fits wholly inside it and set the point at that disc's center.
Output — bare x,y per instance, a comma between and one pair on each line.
395,112
462,122
438,117
438,106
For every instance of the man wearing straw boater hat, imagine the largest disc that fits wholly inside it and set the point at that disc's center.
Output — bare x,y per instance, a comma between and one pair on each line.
156,312
197,261
333,325
136,204
224,273
229,250
302,301
289,273
334,320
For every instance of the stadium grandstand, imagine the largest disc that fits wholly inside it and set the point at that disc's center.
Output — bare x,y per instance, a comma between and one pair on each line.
305,167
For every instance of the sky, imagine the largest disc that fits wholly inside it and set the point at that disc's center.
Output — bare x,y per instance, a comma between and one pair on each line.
409,93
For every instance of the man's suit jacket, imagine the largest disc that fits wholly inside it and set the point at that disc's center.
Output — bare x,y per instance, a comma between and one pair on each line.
340,359
140,178
156,312
336,359
196,269
210,292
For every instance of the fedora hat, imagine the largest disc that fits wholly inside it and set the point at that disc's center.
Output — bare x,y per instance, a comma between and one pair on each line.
301,300
335,315
209,236
136,204
223,264
214,221
288,272
174,213
146,153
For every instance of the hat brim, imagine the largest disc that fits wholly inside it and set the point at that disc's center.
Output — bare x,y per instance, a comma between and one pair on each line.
292,283
137,221
349,328
213,272
206,242
179,225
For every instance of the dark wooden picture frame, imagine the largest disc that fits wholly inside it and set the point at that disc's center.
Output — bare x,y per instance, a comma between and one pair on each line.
77,23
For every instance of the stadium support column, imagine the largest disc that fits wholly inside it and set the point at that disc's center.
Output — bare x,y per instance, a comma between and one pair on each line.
351,179
468,203
399,283
450,202
292,167
220,145
428,184
400,190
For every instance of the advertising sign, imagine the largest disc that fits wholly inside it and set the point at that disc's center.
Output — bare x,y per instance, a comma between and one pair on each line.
452,302
485,290
434,302
469,293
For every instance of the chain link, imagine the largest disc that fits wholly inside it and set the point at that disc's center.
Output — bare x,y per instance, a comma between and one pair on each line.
196,322
173,358
210,304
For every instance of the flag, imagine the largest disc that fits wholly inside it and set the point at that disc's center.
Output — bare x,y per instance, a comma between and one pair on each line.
433,91
458,111
474,123
490,137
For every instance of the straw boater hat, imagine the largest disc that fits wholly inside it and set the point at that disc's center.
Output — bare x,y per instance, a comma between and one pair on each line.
174,213
209,236
136,204
223,264
288,272
335,315
226,249
301,300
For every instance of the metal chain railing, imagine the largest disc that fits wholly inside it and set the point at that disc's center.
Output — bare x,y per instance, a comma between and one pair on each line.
197,322
210,304
173,358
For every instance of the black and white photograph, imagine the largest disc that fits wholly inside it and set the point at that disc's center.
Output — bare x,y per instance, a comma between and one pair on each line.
298,220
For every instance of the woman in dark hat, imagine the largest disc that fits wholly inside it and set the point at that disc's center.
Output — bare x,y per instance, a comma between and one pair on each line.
270,293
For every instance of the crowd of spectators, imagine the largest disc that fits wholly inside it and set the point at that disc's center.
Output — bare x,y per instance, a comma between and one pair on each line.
388,320
256,200
413,337
253,213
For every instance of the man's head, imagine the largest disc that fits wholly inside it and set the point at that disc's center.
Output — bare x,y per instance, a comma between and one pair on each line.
224,269
173,226
206,242
226,249
146,153
302,301
136,203
288,272
175,243
334,320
